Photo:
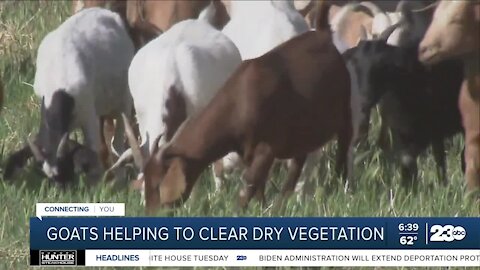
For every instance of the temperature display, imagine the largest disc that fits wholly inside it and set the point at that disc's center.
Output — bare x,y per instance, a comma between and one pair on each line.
408,233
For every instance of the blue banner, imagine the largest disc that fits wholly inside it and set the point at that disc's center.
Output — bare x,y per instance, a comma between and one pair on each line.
254,233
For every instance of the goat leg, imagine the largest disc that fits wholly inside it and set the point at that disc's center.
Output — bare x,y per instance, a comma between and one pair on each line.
383,140
439,155
469,108
256,175
294,170
344,159
472,170
409,167
104,153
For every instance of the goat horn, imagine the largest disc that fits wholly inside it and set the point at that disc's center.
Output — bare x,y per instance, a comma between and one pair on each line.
133,142
122,159
363,33
386,34
155,143
35,150
432,5
400,5
62,145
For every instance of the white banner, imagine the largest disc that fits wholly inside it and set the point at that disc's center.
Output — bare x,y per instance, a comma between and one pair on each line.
308,258
79,209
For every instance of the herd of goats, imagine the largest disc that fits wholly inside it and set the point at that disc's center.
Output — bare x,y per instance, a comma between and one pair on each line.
240,84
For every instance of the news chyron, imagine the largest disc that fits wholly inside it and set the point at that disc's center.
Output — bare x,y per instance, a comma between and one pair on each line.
100,235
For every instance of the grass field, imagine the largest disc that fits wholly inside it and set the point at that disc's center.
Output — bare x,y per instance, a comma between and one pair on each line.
22,26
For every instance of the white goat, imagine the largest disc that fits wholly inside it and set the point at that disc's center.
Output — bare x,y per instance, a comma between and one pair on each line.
81,75
175,76
256,27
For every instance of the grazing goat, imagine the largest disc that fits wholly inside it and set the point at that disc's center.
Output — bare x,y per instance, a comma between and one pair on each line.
453,33
256,27
284,104
141,31
81,76
417,104
183,69
412,26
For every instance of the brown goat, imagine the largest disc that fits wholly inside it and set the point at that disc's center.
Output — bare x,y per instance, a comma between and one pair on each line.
164,14
284,104
454,33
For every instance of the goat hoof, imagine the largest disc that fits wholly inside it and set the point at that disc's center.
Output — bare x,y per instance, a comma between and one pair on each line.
243,199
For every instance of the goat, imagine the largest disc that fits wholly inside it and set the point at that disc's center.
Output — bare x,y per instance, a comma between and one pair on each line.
257,26
164,14
412,18
453,33
284,104
406,33
141,31
417,104
81,73
183,69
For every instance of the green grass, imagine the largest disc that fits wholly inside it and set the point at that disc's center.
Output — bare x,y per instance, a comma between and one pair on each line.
22,26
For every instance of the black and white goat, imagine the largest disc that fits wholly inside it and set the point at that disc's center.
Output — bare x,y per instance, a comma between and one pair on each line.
81,76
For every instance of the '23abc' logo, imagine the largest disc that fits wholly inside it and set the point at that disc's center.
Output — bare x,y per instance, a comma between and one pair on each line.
447,233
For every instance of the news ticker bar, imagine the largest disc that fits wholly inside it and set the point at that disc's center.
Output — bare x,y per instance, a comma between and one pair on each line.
254,233
239,258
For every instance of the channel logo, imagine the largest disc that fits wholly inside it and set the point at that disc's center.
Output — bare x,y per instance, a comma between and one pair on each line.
58,257
241,257
447,233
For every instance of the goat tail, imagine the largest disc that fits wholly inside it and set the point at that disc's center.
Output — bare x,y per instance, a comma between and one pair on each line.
322,10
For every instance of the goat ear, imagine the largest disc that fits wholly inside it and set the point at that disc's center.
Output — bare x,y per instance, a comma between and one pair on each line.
221,15
174,183
363,35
